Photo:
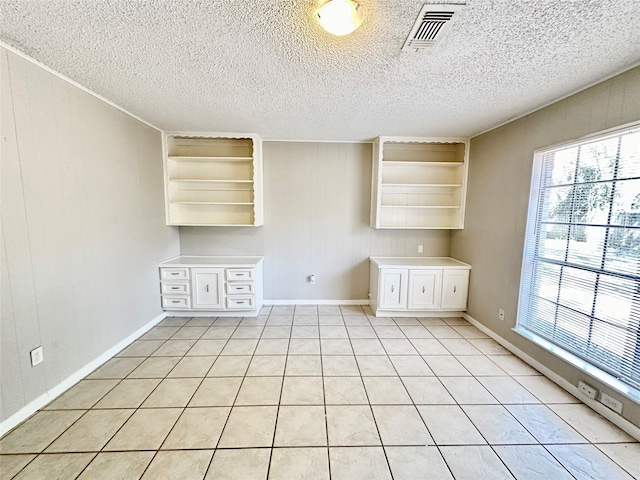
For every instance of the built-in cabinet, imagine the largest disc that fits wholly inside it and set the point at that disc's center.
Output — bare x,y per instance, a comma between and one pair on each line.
207,287
418,286
192,286
424,289
419,183
213,179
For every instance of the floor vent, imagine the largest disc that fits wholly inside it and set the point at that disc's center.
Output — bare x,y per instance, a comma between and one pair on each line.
432,24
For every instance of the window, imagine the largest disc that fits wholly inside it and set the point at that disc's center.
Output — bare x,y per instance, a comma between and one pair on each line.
580,288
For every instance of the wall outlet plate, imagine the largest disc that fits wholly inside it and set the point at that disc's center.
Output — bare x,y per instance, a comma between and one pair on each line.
36,356
588,390
611,403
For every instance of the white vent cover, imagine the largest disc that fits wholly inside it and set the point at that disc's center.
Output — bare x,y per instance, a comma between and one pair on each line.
432,24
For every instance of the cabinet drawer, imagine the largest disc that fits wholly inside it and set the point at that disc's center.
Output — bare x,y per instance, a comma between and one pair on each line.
174,274
239,288
239,274
173,303
175,288
240,303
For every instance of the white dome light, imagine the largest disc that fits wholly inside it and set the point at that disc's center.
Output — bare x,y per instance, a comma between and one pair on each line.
340,17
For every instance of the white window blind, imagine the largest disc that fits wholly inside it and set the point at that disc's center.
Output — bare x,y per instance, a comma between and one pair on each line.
580,287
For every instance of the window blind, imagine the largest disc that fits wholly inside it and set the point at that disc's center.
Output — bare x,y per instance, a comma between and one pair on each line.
580,287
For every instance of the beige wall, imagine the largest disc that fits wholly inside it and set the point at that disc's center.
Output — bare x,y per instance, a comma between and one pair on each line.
497,200
82,228
317,203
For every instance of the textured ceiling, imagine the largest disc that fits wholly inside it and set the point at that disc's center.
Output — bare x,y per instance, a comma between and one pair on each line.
266,66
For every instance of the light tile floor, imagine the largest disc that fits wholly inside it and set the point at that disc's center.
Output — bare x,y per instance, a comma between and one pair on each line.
316,393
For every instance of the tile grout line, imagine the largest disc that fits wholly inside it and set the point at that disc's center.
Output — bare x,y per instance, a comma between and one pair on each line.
275,426
416,407
375,422
131,415
503,406
120,380
253,355
324,397
139,407
326,434
161,380
190,398
215,448
468,418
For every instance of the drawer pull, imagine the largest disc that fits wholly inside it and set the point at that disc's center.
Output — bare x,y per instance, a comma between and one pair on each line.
454,289
175,288
175,301
423,289
206,288
240,302
175,273
392,289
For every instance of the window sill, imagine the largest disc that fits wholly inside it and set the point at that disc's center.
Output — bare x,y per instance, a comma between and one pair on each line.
600,375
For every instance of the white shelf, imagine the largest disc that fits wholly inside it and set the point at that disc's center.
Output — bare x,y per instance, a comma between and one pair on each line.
426,185
213,179
200,180
212,203
421,206
393,163
419,183
210,159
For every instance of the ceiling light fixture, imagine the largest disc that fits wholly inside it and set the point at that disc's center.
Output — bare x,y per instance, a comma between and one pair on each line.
340,17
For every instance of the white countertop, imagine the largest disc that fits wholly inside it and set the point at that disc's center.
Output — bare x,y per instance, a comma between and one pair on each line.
208,261
391,262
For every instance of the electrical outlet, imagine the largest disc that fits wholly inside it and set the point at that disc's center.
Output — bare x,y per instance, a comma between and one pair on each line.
36,356
312,279
420,249
501,314
611,403
588,390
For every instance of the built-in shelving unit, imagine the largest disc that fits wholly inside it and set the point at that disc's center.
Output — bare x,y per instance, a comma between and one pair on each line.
213,179
419,183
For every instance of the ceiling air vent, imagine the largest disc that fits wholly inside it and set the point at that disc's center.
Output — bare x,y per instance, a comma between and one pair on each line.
432,24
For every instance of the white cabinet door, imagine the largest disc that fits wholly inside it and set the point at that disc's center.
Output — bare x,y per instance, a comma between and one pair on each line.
424,289
392,292
207,287
455,284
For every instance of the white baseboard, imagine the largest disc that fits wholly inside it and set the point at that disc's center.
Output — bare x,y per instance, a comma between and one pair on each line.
315,302
213,313
36,404
610,415
417,314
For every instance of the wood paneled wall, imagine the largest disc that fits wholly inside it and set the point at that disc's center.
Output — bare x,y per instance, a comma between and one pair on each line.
498,197
316,204
82,228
